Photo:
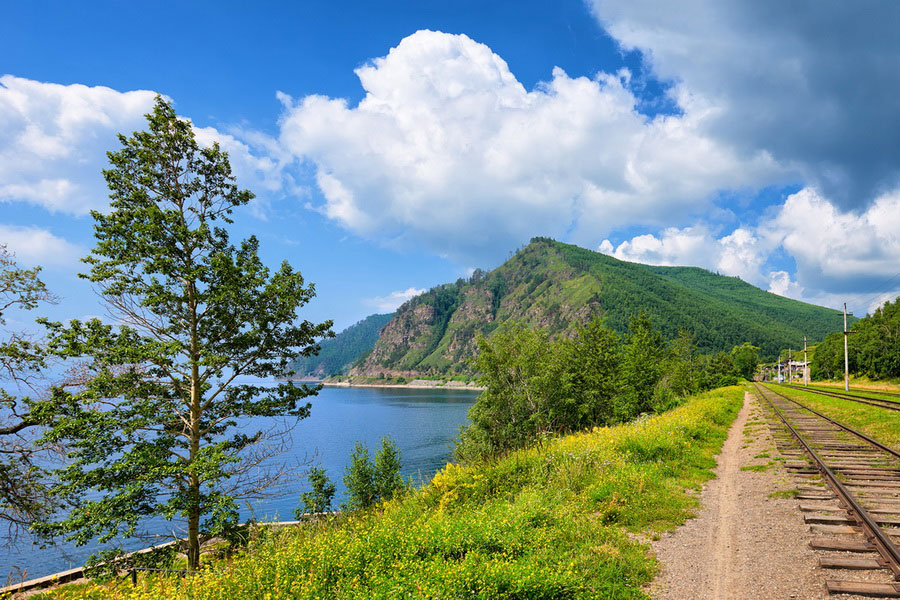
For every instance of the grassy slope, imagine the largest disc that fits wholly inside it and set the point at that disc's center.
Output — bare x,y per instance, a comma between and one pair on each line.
548,522
721,311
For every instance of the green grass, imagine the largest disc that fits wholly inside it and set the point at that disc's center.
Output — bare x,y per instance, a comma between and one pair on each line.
785,494
553,521
870,393
879,423
758,468
889,383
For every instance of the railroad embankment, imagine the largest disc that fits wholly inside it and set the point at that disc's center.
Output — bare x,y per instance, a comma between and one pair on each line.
881,422
571,518
848,483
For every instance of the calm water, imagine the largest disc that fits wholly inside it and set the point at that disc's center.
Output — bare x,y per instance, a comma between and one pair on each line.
421,422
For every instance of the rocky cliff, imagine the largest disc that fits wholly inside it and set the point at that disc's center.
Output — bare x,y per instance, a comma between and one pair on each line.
559,287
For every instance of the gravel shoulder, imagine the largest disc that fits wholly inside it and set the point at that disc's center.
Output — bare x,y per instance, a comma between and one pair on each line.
744,544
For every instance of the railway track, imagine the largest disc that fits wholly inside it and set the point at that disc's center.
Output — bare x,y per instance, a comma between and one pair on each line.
857,390
871,401
850,496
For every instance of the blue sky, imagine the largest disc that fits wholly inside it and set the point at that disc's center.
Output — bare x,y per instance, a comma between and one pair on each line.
396,146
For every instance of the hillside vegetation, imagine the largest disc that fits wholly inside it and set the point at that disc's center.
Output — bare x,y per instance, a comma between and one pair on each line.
873,348
560,287
536,387
546,522
340,352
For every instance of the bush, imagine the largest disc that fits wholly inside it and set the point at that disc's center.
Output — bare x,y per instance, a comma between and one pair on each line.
367,483
319,499
360,479
387,470
727,380
537,388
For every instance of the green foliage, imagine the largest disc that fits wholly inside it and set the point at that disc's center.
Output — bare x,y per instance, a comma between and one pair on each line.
368,483
535,387
151,421
746,359
444,299
554,521
359,477
641,368
24,496
876,342
526,388
721,312
828,360
593,360
873,348
387,470
319,499
718,370
559,287
683,366
339,353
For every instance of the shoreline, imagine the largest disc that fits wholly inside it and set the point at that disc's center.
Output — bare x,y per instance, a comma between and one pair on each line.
439,386
415,384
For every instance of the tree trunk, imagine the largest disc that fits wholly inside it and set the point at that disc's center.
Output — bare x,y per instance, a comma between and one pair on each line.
194,481
193,553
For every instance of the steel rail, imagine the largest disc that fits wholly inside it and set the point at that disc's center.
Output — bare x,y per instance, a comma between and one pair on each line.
878,402
858,434
873,531
862,390
838,392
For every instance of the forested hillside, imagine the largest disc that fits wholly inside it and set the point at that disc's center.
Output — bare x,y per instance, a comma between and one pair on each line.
340,352
560,287
873,348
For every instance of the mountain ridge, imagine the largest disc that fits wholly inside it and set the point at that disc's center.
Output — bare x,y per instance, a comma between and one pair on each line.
339,353
560,287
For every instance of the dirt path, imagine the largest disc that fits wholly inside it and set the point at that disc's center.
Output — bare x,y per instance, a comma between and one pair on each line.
744,544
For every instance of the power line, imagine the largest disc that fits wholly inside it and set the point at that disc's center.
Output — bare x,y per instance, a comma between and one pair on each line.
883,288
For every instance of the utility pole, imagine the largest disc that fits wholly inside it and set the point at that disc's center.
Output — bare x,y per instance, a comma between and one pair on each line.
805,364
790,365
846,355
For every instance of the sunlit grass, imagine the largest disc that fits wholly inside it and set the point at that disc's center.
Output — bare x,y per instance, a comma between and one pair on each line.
548,522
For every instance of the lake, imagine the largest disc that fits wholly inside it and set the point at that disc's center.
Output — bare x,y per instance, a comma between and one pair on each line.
422,423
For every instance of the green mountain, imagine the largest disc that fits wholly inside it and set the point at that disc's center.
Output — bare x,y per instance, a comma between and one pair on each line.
560,287
340,352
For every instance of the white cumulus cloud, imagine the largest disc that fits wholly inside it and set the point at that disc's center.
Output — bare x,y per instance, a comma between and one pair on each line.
838,250
839,255
739,253
34,246
390,303
449,151
54,139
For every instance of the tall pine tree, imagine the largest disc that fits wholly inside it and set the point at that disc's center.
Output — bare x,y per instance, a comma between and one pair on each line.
152,424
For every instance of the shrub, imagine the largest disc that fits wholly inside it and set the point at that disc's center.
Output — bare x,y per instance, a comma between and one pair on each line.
360,479
367,483
319,499
387,470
